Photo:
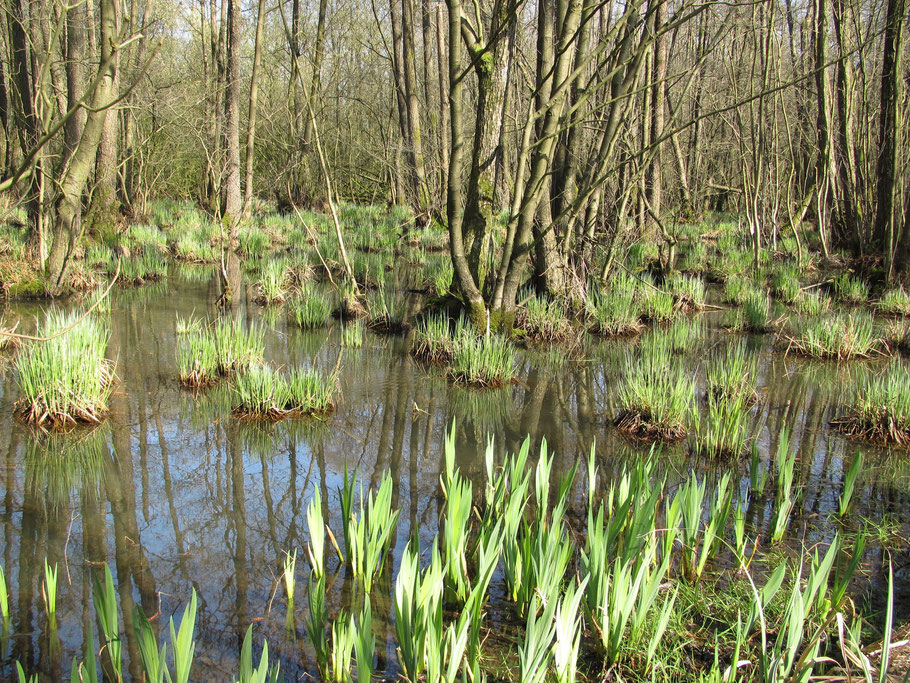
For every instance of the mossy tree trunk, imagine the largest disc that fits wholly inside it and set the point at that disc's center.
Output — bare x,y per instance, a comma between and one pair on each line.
76,172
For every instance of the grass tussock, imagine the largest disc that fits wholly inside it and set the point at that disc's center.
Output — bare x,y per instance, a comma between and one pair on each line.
894,302
732,374
262,392
616,311
486,360
544,319
433,339
311,308
65,380
656,396
207,352
724,430
880,408
386,311
836,337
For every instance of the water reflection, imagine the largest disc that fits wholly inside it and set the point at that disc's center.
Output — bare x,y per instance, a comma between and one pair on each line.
175,495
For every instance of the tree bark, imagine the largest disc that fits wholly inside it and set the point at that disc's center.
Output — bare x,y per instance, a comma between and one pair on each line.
233,200
254,97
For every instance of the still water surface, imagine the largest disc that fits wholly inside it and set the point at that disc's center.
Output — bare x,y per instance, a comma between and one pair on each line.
176,495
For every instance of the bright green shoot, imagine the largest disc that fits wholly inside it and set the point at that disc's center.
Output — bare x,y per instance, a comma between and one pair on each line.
290,567
316,525
846,496
50,589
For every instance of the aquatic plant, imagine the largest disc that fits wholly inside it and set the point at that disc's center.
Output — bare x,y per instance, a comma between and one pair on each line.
616,311
725,429
732,373
657,305
252,242
737,288
486,360
273,282
260,391
66,379
811,303
458,492
316,527
386,310
544,319
655,396
850,478
368,529
785,460
879,409
701,534
785,282
238,347
851,290
311,308
756,312
197,358
688,290
432,339
316,622
894,301
352,334
838,336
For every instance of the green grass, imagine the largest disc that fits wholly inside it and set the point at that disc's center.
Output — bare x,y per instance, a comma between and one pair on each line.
657,305
261,391
252,242
785,282
67,379
894,302
850,289
688,290
386,310
732,374
544,319
618,309
311,308
725,429
352,335
145,265
838,336
433,339
656,395
197,358
879,410
812,303
486,360
754,315
238,347
273,282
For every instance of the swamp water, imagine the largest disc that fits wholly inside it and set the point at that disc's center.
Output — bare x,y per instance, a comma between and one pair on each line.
175,494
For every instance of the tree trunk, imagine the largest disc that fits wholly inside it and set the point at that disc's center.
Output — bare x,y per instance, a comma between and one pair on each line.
888,136
254,96
68,203
233,200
